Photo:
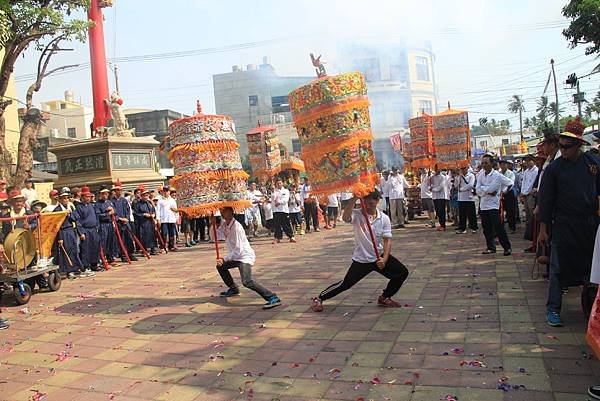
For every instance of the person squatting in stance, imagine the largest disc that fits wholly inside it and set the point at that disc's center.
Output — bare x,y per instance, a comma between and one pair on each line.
364,259
242,256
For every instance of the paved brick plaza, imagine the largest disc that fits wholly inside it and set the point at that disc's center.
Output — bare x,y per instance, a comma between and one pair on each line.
155,331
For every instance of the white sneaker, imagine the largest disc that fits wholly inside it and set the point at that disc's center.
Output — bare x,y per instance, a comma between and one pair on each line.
88,273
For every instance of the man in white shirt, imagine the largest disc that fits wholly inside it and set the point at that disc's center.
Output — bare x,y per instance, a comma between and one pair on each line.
508,197
332,210
397,185
426,196
365,260
466,205
310,207
294,206
528,195
241,255
489,187
281,217
439,189
167,215
53,201
255,197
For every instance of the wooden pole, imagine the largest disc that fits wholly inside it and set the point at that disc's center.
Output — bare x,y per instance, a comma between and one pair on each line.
214,225
364,211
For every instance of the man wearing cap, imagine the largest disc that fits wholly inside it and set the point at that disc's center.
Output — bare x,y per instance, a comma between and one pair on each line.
68,250
104,209
88,231
123,214
16,201
145,213
569,199
530,173
167,215
53,201
508,197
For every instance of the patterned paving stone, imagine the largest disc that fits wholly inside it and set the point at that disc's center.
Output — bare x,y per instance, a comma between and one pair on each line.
156,330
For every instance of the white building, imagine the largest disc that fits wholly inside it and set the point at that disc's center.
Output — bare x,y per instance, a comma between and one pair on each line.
68,119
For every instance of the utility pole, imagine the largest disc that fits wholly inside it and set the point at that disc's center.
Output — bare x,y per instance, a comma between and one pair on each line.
117,79
578,97
557,122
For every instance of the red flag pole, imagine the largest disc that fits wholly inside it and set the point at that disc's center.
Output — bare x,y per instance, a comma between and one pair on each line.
116,227
364,212
216,239
103,257
138,242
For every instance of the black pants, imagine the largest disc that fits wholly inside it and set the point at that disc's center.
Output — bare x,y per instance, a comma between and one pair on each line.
394,270
246,274
310,213
466,212
490,220
282,224
387,205
241,218
440,210
508,203
200,226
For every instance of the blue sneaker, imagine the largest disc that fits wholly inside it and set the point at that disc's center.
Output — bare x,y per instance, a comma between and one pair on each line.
554,319
272,302
4,324
232,292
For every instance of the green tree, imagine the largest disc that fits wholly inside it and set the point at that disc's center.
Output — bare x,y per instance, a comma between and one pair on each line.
542,110
43,24
584,28
516,106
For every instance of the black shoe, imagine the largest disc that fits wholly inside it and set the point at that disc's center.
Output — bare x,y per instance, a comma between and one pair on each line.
507,252
133,258
488,251
4,324
529,250
153,252
232,292
96,268
594,392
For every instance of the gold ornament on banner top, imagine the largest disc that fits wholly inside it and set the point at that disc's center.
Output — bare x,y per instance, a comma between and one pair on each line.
331,115
208,170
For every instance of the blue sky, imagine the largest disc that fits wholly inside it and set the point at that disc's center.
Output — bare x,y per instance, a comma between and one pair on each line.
485,51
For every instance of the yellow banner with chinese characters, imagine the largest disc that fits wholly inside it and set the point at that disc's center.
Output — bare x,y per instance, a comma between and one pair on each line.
49,224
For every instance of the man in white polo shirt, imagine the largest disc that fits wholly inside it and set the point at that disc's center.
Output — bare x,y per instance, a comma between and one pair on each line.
528,195
489,188
167,215
281,212
426,196
364,259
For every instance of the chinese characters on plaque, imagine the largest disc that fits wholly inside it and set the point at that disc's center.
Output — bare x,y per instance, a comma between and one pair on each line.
83,164
126,161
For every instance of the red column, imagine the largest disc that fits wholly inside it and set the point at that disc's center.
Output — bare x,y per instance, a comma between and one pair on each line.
98,64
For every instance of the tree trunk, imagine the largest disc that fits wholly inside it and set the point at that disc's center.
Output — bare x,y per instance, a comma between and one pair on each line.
521,123
27,142
5,156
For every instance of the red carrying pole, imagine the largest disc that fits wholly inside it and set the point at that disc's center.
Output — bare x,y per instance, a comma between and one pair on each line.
138,242
104,262
216,240
364,211
160,238
123,249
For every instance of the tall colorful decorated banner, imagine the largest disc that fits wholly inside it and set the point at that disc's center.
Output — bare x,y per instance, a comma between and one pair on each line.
263,152
208,169
331,115
451,139
422,149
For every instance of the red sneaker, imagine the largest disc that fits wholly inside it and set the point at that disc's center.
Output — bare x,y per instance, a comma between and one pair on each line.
292,239
442,229
388,302
317,305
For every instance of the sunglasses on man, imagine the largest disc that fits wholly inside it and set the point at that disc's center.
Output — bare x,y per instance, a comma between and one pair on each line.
567,145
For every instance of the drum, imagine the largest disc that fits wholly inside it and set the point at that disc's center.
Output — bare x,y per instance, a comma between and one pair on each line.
23,253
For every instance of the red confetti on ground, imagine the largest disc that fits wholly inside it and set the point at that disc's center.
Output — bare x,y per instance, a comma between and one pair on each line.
375,380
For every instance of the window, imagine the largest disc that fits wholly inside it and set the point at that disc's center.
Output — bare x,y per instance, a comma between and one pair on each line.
63,106
398,72
422,68
72,132
483,144
296,146
400,115
425,106
253,100
505,142
280,104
